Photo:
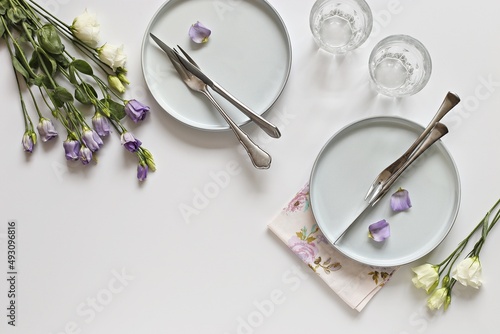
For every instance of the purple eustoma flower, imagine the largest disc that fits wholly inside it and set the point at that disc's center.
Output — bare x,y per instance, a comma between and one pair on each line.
91,139
46,129
130,142
136,110
400,200
379,231
72,149
85,155
29,139
142,172
101,124
199,33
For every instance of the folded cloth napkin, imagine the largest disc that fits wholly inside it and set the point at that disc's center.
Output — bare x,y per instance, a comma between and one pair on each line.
354,282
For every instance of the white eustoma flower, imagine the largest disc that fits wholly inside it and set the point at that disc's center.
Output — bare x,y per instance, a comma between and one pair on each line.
426,277
469,272
86,28
112,55
438,299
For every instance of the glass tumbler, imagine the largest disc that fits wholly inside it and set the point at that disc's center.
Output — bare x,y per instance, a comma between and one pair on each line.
339,26
399,66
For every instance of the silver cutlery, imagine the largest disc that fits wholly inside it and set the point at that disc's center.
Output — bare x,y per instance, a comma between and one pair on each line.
437,131
260,158
264,124
450,101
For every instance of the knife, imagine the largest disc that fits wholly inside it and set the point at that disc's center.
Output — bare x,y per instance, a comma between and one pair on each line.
265,125
437,132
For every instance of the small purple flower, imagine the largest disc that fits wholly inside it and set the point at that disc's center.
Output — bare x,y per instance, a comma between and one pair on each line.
130,142
46,129
400,200
136,110
142,172
91,139
379,231
72,149
29,139
101,124
199,33
85,155
307,251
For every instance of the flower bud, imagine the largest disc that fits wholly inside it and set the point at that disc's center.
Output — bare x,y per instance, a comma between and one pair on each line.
142,172
123,78
29,141
115,83
46,129
101,124
72,149
130,142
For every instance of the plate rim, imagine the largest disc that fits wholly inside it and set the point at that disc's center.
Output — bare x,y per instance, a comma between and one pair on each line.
223,127
415,125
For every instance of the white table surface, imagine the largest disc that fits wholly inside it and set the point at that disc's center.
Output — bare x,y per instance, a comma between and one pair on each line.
79,227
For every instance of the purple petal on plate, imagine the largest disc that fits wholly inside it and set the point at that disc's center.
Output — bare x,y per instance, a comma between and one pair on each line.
379,231
199,33
400,200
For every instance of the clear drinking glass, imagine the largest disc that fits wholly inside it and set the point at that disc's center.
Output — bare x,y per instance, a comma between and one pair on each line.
399,66
339,26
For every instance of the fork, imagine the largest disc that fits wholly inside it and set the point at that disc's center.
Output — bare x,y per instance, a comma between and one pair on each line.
450,101
260,121
260,158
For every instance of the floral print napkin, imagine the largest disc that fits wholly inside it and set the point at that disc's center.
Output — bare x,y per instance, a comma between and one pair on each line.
354,282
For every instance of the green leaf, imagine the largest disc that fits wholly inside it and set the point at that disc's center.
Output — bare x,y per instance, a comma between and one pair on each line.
116,109
15,14
34,61
62,94
82,92
57,102
72,75
48,61
4,5
38,81
47,82
2,29
61,60
20,68
82,66
49,39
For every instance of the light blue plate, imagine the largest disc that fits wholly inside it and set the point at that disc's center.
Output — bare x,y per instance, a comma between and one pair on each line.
248,53
348,164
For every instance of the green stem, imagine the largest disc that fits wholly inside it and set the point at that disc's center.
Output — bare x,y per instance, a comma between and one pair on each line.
18,48
46,14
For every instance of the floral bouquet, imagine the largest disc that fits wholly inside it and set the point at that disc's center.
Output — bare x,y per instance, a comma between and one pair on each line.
67,84
468,272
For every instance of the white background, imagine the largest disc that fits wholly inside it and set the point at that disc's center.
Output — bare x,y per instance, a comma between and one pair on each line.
79,227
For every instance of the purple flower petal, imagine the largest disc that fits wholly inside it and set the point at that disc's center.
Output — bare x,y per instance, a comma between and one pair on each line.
142,172
92,140
28,142
199,33
72,149
85,155
379,231
130,142
136,110
101,124
400,200
46,129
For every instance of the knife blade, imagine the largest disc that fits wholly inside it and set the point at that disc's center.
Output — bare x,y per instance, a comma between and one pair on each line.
264,124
